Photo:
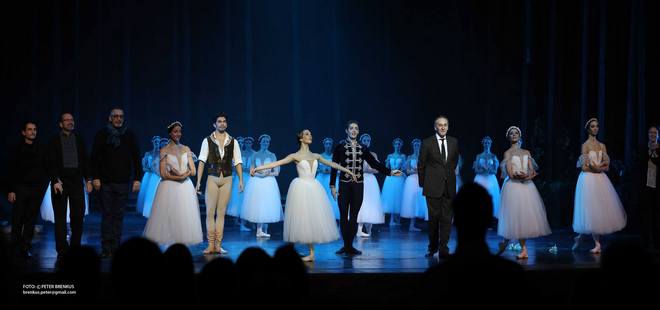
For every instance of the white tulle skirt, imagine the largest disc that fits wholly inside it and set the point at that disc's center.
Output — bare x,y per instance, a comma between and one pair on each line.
149,194
371,211
261,201
146,178
522,213
413,203
175,215
392,194
489,182
46,209
308,217
598,209
324,179
236,199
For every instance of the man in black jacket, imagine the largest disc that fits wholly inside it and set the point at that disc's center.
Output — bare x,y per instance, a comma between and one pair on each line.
437,176
27,181
70,175
115,162
351,155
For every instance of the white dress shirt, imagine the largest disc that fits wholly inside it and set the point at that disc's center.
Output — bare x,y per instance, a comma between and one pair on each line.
437,136
204,152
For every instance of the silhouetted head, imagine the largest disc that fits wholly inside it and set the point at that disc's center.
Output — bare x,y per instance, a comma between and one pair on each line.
473,209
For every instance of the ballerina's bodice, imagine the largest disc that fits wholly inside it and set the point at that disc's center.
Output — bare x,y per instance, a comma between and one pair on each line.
179,163
519,164
306,169
596,158
396,162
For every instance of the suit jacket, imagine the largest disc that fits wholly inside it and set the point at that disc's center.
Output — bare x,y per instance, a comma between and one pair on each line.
434,172
54,158
644,165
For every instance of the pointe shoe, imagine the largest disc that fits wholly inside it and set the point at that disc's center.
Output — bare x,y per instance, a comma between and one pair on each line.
244,228
362,234
501,247
222,251
595,250
523,254
211,247
261,234
414,229
576,243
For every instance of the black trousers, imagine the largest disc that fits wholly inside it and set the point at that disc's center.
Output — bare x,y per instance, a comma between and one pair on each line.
650,214
113,200
440,214
24,213
350,201
74,193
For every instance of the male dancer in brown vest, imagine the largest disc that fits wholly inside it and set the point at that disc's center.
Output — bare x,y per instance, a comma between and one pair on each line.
218,154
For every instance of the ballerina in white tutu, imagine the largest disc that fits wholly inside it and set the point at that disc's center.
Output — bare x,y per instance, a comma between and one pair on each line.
392,193
371,211
236,200
522,213
413,203
175,214
308,217
150,178
485,168
262,202
323,174
598,209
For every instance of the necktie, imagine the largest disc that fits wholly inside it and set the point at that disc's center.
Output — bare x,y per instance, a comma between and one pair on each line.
442,149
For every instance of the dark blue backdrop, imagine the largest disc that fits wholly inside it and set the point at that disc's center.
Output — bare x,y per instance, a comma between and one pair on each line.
279,66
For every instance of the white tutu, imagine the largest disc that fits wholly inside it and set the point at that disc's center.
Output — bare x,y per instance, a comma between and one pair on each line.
413,203
149,194
324,179
489,182
371,211
144,184
522,213
308,217
262,201
46,209
392,194
598,209
236,199
175,216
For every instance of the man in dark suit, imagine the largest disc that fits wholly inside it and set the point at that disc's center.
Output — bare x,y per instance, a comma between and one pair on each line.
650,206
437,176
68,167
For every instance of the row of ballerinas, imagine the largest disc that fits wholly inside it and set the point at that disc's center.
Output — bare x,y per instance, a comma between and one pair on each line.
517,205
260,203
521,213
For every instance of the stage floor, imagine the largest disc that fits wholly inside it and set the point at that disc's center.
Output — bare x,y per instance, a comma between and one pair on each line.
391,249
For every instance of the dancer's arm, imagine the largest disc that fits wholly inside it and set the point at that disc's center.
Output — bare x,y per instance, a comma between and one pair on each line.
335,166
272,165
191,163
605,164
203,155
